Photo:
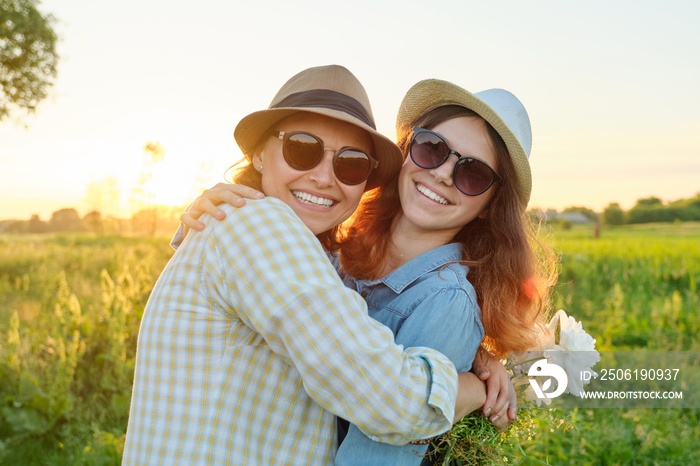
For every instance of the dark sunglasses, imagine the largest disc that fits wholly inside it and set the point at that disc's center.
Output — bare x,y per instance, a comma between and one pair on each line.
471,176
303,151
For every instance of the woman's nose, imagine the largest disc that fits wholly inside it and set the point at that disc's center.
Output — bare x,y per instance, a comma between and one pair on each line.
322,174
443,173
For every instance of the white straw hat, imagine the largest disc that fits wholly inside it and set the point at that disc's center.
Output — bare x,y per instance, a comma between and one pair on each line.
497,106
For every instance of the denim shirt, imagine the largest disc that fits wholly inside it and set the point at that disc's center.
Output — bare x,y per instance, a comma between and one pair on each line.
426,302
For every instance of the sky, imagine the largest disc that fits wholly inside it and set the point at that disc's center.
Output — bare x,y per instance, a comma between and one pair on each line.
611,89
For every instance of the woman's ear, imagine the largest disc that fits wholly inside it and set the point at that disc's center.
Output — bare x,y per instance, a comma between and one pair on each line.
257,160
484,214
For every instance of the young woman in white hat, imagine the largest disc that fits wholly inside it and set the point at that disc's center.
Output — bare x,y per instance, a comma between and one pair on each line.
250,343
454,211
463,188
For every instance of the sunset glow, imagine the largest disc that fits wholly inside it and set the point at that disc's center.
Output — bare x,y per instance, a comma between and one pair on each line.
614,112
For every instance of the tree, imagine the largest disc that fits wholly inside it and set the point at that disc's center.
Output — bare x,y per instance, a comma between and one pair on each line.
36,225
649,202
614,215
93,222
27,56
65,220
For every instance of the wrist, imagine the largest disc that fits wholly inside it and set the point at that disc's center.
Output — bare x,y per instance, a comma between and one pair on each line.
471,395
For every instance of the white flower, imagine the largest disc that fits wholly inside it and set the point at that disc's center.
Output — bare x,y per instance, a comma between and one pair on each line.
562,342
574,350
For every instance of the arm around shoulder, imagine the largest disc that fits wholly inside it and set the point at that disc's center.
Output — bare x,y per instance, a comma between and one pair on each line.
286,289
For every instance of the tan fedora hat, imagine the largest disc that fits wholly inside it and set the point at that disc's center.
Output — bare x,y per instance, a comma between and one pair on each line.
497,106
332,91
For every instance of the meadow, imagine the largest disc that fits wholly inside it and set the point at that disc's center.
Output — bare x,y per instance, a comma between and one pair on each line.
70,307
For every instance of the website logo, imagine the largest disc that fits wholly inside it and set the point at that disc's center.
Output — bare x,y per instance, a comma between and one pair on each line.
548,371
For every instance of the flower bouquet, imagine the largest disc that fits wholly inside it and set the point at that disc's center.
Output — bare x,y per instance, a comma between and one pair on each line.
539,375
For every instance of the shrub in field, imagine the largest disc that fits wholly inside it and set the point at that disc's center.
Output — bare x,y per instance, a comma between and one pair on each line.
67,367
39,370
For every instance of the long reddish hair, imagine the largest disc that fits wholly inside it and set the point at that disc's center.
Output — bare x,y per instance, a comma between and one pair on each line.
510,269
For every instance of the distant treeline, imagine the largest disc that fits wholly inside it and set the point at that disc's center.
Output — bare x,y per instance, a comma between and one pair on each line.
647,210
164,220
148,222
653,210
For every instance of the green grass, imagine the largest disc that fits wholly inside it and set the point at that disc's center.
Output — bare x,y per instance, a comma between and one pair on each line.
634,287
70,306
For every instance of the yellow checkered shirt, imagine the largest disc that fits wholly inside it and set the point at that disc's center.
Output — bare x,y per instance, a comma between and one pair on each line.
250,344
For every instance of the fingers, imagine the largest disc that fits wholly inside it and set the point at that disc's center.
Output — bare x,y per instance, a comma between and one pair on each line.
209,199
482,372
500,415
245,192
500,405
500,420
497,394
200,207
507,414
513,404
234,194
512,412
189,222
492,391
480,365
223,193
503,399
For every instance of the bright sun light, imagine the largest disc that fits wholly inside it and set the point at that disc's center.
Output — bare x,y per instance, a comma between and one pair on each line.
140,181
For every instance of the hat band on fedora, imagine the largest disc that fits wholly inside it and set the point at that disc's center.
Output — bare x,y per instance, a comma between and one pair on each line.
326,98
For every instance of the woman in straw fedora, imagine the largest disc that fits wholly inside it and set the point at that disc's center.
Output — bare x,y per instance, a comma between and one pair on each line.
250,342
455,208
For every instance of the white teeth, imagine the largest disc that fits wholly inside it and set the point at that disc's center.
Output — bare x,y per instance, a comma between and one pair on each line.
314,200
428,193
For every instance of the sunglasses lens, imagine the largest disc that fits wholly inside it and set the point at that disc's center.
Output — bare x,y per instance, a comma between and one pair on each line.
428,150
473,177
352,166
302,151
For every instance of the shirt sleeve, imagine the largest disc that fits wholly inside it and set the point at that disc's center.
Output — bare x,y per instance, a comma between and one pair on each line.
277,279
447,320
178,237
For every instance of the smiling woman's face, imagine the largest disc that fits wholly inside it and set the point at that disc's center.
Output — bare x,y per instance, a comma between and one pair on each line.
429,199
316,195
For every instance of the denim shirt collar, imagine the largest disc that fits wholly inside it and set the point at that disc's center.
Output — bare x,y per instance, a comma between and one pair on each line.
418,266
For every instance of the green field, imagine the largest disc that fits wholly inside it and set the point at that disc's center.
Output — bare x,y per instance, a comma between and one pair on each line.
70,306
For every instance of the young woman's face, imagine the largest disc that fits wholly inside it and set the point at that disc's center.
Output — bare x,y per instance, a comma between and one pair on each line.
316,195
429,199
